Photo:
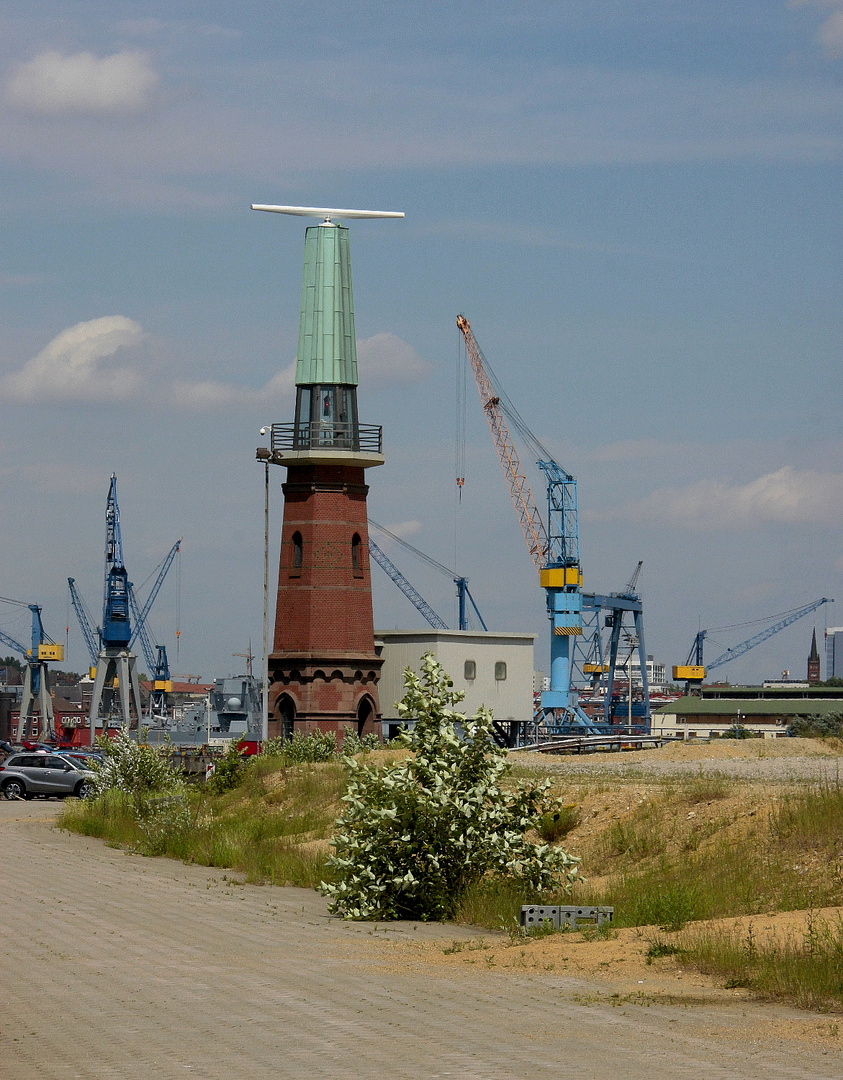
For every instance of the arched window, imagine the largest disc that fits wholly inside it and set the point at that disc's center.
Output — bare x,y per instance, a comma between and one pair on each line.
297,550
355,555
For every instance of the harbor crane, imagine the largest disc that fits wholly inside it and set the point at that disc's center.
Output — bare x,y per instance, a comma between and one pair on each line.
464,596
555,553
694,670
124,622
36,680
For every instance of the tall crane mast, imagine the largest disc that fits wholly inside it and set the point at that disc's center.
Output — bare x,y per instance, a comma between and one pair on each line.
90,635
116,626
532,525
36,684
554,550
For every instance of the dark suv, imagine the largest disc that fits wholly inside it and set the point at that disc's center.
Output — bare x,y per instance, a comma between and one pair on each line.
23,775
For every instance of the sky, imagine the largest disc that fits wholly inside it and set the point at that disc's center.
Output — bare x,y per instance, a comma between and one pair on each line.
636,204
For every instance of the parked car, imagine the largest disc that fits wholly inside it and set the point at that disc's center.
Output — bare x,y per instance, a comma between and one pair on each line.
24,775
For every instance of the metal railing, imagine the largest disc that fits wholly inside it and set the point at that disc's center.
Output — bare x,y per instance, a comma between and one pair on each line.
367,438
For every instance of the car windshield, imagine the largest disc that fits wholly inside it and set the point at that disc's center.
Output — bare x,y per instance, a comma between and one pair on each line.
71,761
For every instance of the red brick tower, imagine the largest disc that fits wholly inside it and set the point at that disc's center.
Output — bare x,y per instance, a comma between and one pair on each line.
323,669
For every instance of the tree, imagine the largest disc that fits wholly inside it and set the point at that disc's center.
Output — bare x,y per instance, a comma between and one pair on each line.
416,835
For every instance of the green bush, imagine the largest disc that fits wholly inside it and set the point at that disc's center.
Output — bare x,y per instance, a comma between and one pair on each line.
229,770
319,746
817,727
417,834
738,731
134,768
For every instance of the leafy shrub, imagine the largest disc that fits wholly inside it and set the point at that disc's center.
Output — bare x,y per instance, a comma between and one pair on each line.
353,744
415,835
319,746
738,731
817,727
228,770
134,768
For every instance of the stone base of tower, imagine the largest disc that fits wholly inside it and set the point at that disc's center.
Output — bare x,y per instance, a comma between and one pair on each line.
323,693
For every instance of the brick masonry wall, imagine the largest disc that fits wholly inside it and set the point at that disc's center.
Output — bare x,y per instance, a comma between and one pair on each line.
323,657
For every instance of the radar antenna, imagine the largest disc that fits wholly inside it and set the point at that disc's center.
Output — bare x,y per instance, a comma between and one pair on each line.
326,213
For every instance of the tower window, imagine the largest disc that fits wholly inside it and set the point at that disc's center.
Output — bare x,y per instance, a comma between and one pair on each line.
297,552
355,555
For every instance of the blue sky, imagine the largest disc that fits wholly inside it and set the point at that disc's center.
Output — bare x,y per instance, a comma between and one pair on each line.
637,205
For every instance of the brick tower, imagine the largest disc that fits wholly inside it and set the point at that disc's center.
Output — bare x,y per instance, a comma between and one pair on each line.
323,669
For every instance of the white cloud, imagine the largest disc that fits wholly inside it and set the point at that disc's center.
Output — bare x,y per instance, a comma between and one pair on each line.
211,395
787,496
53,84
91,361
406,528
831,31
386,358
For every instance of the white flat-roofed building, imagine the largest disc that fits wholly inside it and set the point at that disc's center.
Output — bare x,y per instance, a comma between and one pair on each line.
494,669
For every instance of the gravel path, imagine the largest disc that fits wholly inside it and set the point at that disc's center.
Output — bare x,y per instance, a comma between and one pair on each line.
115,966
755,763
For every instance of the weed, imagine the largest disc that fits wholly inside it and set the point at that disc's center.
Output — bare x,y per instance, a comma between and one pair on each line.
659,948
556,824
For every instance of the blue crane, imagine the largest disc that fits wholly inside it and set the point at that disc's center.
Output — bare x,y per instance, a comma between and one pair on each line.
86,624
36,686
464,596
695,669
554,549
123,623
413,595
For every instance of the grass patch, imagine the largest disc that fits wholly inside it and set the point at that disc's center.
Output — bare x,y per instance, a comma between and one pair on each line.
274,827
808,972
556,824
661,867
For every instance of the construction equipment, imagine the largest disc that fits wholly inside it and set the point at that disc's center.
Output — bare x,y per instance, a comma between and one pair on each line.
464,596
36,683
124,621
554,551
694,670
555,554
413,595
124,618
86,624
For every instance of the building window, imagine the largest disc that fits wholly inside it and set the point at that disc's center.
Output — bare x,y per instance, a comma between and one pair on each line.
355,555
500,671
470,670
298,548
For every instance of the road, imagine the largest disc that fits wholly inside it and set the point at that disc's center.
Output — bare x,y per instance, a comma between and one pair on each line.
116,966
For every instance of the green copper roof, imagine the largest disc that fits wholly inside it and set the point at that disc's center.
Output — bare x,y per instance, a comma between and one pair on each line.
327,352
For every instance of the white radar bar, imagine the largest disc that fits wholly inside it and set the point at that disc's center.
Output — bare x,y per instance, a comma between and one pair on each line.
327,213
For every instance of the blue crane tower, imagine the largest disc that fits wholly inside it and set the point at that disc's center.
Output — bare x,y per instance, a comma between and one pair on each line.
555,553
124,622
36,684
